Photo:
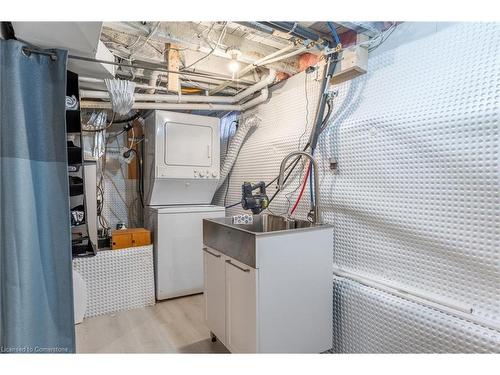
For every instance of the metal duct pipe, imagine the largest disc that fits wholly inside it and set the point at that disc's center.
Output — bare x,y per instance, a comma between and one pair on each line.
235,146
91,94
294,29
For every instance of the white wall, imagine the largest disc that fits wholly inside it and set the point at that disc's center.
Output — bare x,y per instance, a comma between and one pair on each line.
416,199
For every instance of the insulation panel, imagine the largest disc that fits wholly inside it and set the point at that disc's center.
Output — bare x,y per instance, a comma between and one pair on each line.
117,280
415,198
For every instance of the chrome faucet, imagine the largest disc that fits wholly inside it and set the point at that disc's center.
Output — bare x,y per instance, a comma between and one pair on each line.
317,218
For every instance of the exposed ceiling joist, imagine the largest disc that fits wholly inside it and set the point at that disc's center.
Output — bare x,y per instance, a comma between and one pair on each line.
192,36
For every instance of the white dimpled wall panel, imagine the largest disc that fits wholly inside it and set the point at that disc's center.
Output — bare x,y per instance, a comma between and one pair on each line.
118,280
370,321
415,199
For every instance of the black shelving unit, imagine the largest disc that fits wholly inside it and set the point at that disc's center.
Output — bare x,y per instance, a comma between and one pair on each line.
81,243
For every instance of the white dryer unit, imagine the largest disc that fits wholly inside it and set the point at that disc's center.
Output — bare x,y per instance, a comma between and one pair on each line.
178,244
181,164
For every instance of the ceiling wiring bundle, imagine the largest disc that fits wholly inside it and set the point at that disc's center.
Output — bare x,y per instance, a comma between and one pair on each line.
212,50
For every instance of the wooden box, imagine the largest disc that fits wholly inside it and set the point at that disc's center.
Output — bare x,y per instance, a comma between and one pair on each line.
123,238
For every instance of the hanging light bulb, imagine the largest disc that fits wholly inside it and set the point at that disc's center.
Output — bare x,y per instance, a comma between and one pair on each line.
234,65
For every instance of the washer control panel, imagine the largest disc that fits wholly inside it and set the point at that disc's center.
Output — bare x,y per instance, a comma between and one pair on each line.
205,173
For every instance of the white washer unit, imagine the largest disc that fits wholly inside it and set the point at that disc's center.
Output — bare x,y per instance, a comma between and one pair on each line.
181,171
181,158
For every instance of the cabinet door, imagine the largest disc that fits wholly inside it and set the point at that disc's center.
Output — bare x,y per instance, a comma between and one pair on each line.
241,307
215,292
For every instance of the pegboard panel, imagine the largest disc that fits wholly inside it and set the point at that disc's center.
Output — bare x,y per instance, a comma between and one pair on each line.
121,198
416,196
367,320
118,280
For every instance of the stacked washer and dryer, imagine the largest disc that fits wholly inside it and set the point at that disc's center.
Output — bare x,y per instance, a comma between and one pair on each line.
181,172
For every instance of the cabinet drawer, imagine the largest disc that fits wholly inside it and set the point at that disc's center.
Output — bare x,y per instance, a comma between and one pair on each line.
121,241
141,238
241,307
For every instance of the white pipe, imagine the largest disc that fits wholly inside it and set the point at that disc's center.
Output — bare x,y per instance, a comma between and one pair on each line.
453,309
254,88
264,94
166,106
101,82
252,66
91,94
405,290
184,106
152,81
146,87
288,55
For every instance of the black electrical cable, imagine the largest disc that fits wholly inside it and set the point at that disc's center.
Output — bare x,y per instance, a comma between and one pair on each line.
221,36
101,129
134,117
389,33
327,116
292,165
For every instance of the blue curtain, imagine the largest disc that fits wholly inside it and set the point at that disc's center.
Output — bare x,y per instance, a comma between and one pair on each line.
36,293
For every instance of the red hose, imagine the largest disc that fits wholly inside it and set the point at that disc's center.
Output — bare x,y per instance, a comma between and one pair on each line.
301,190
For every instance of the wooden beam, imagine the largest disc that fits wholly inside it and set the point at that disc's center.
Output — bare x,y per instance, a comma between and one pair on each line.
172,58
133,171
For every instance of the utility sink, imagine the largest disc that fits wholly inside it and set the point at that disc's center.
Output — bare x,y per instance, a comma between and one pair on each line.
240,241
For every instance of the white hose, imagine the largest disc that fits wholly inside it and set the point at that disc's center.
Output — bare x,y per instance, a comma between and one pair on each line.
235,146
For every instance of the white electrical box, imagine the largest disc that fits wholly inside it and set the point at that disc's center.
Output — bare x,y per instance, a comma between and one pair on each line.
353,63
181,164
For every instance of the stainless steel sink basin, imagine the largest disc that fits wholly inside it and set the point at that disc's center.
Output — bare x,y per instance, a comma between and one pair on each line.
239,240
267,223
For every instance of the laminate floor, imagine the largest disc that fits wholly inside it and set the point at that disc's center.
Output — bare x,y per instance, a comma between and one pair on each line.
173,326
